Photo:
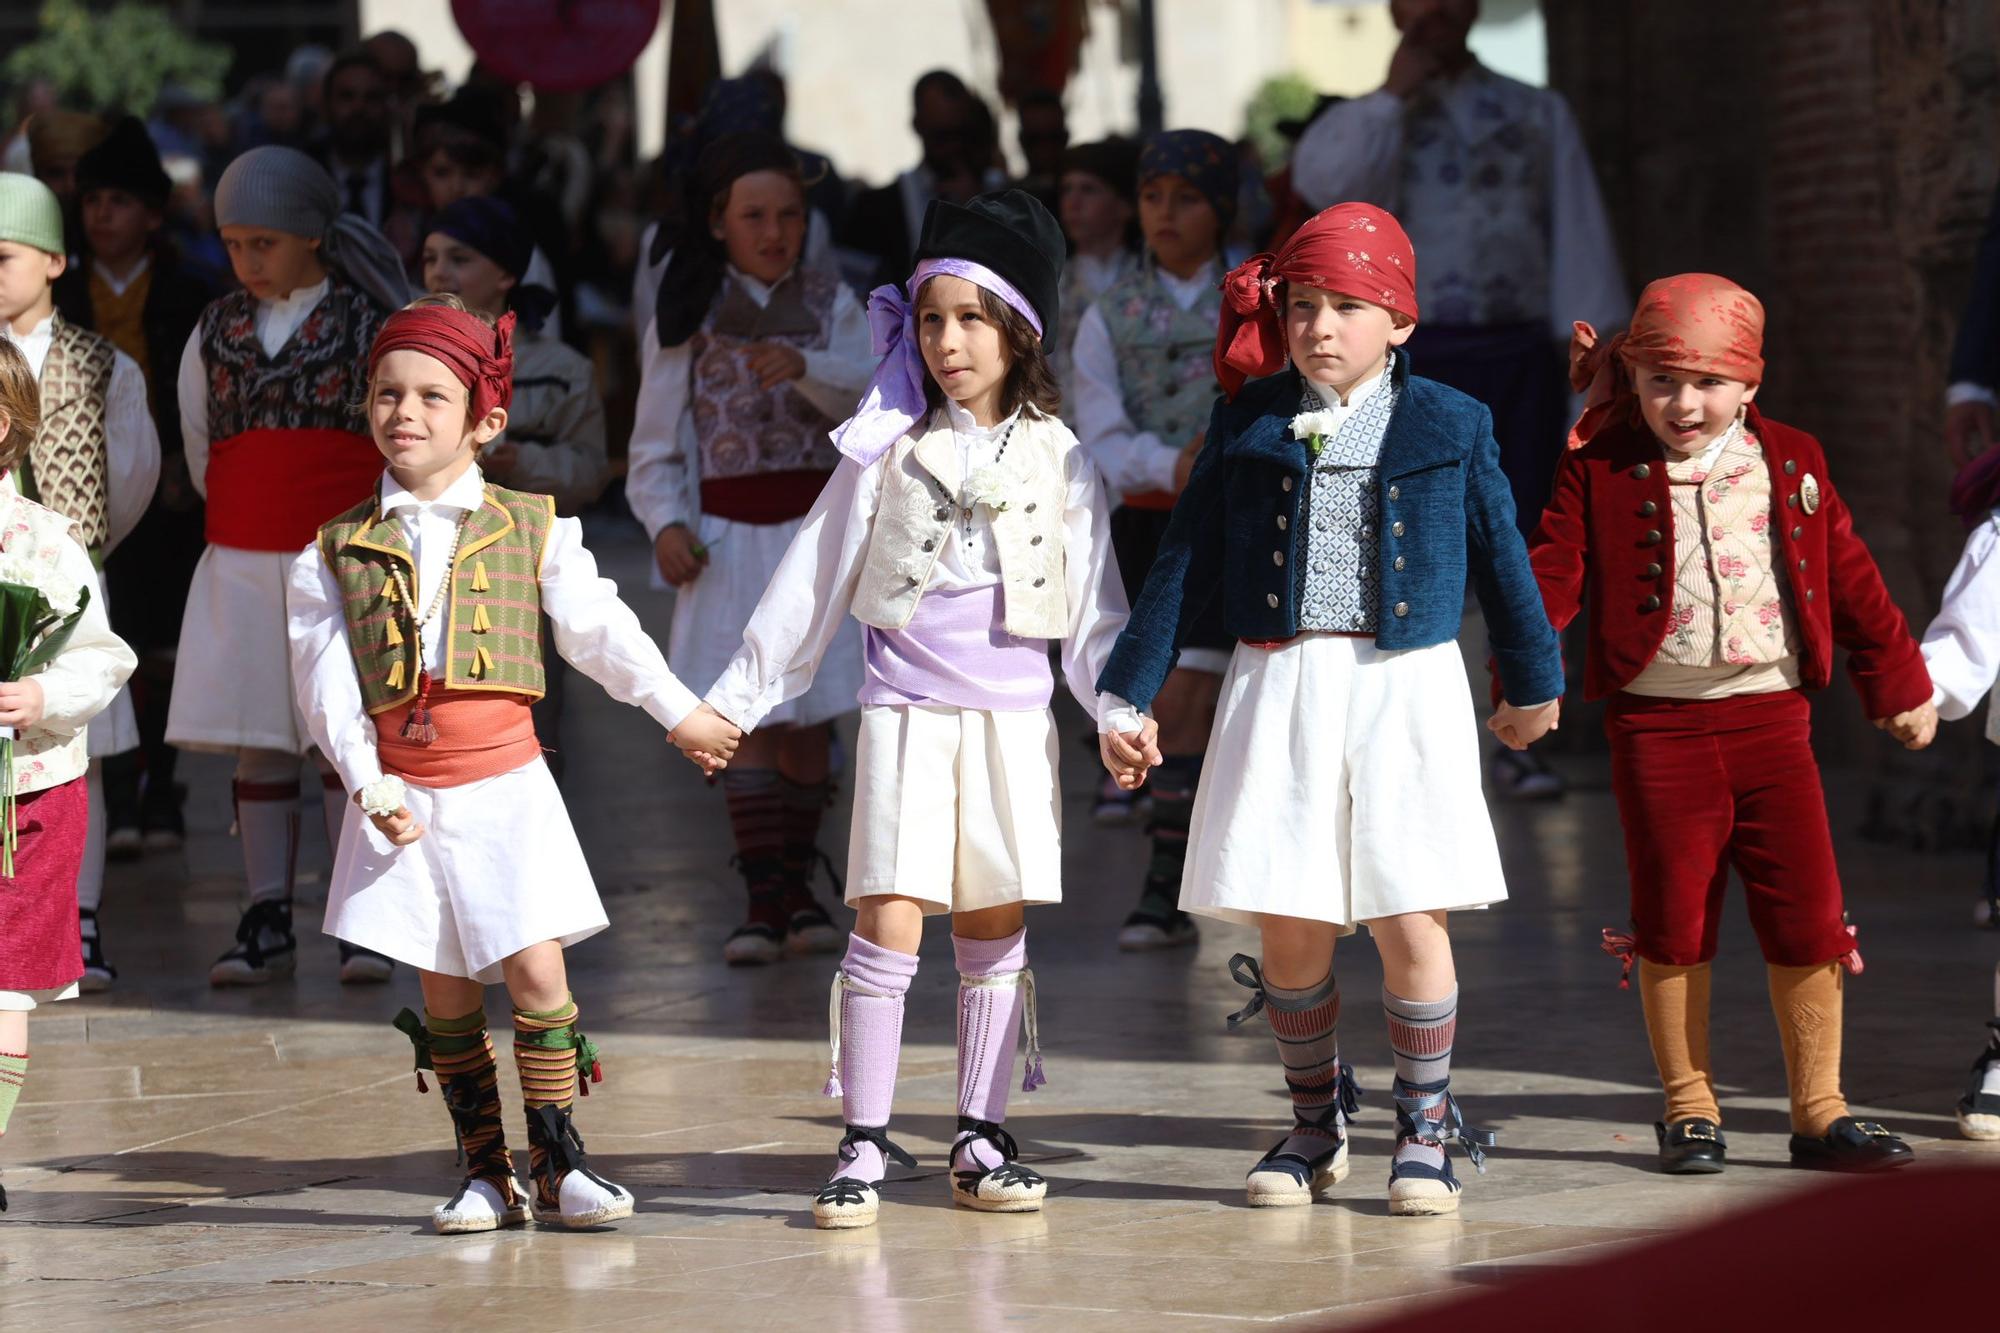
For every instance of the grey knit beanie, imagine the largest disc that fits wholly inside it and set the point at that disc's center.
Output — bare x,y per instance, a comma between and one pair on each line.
284,190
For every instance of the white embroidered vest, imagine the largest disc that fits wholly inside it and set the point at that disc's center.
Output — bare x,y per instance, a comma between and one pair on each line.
42,758
919,502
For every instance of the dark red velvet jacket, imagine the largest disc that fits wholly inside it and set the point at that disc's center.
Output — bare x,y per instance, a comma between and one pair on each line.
1608,536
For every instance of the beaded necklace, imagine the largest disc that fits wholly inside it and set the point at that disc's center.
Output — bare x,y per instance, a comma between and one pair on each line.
965,506
418,727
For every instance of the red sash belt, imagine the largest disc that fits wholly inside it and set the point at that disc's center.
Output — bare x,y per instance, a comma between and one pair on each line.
480,734
269,490
764,497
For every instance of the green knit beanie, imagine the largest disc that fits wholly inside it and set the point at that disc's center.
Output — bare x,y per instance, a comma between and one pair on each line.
30,214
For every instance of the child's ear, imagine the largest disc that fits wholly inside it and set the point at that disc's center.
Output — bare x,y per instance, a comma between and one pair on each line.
58,265
488,427
1400,334
1751,392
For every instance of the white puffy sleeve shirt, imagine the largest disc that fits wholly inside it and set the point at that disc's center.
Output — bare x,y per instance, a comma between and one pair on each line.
1962,646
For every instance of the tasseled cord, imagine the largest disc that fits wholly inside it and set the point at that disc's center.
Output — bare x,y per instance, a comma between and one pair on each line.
1626,950
832,1087
1031,1027
418,727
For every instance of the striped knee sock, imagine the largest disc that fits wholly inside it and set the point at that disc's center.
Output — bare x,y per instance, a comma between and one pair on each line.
804,807
757,818
469,1078
13,1074
547,1048
1172,785
1306,1023
1420,1035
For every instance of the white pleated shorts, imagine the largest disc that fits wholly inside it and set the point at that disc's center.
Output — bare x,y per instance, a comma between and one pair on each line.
499,868
1342,784
956,807
710,613
233,672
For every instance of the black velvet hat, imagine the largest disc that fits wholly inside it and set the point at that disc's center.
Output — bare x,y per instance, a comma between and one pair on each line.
1009,232
125,159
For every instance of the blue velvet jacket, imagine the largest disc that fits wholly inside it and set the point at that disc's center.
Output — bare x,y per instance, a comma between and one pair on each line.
1446,516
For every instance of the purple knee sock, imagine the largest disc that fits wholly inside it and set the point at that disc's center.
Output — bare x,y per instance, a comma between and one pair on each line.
867,1022
995,990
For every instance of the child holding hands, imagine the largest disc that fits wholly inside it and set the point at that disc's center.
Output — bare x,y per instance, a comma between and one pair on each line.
1720,569
416,627
964,529
1338,509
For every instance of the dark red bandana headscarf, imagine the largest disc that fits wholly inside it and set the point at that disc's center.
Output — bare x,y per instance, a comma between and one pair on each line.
1696,323
1357,250
480,354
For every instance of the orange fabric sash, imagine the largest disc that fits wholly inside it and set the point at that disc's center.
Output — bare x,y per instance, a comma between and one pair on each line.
480,734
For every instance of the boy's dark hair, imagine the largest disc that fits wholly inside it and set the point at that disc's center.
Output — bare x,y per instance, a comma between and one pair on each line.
1031,381
354,57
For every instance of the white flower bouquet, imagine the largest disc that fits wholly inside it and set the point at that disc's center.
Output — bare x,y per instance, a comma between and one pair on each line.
39,609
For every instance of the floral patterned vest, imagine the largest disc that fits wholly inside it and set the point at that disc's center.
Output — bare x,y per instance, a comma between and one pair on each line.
493,610
68,467
744,428
1729,599
1165,355
318,380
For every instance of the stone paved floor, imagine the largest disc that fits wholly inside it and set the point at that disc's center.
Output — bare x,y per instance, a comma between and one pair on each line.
189,1158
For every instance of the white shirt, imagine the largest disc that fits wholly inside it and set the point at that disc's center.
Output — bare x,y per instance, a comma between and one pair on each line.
594,631
818,255
114,281
1133,461
131,441
810,594
663,476
1353,151
277,321
1962,646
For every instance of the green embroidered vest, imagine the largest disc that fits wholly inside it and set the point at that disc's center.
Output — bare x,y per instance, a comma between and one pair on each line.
1166,355
493,610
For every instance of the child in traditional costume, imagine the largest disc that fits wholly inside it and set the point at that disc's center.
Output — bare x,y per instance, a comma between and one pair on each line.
1720,569
272,395
1096,191
95,461
46,714
1338,510
1962,653
751,361
416,630
964,528
1144,383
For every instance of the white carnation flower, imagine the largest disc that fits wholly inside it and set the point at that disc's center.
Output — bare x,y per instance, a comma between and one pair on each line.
384,796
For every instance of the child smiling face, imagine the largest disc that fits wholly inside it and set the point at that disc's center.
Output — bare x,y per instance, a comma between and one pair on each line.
1686,410
1336,340
418,408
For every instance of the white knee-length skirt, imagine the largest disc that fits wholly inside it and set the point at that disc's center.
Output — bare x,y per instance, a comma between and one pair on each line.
710,613
499,868
956,807
1341,785
233,672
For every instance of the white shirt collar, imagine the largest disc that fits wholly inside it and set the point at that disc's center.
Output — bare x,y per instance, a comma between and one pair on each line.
119,284
464,495
302,299
759,291
1329,401
42,331
963,425
1186,291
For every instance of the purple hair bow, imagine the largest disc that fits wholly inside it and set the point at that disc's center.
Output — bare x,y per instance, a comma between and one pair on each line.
894,399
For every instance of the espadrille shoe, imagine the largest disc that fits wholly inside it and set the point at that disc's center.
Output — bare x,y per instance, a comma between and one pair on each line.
1008,1187
1421,1183
844,1202
482,1204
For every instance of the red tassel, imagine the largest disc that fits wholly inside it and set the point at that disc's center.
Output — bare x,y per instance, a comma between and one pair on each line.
1626,950
417,728
596,1072
421,1086
583,1087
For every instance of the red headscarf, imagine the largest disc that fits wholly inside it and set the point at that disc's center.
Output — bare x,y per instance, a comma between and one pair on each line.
480,354
1696,323
1357,250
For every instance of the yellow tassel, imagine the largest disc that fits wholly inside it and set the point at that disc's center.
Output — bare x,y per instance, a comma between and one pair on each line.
389,589
479,583
482,661
480,624
395,634
396,674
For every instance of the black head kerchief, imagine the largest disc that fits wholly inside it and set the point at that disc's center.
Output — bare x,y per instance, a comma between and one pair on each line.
1009,232
694,274
125,159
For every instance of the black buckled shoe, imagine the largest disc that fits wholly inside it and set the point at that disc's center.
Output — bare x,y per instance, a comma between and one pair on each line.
1691,1147
1851,1145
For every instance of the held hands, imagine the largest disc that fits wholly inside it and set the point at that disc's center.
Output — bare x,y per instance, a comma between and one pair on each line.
21,703
1128,756
681,557
1914,729
707,738
1518,728
774,363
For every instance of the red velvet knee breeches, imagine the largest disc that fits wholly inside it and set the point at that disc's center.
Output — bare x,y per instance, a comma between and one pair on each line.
1703,785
